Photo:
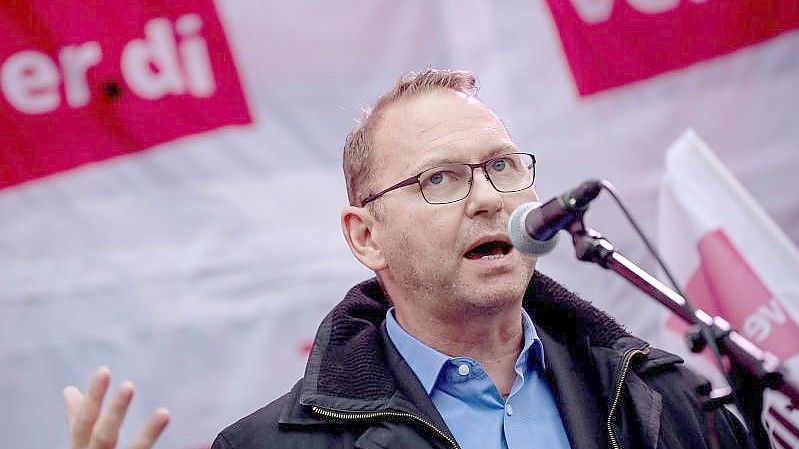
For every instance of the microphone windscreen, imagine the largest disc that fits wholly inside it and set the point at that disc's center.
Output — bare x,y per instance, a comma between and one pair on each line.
519,237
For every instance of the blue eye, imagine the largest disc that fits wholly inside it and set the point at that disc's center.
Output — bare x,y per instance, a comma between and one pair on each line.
499,165
436,178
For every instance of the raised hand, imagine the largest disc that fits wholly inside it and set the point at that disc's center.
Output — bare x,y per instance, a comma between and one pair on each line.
93,428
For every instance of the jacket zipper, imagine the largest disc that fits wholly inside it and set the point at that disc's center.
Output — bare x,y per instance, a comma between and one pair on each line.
627,359
389,415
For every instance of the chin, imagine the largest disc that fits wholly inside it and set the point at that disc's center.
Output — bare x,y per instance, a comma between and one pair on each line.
496,294
510,285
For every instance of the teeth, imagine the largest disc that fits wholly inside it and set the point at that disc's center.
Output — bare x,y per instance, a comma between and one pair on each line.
495,251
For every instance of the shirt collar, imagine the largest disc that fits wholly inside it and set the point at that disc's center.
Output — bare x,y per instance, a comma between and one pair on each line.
531,340
427,363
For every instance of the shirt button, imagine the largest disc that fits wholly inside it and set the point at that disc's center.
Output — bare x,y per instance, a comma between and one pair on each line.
508,409
463,369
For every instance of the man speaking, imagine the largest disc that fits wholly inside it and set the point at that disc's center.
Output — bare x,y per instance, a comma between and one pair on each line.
458,342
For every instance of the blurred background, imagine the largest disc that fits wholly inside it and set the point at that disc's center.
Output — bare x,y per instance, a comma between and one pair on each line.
170,172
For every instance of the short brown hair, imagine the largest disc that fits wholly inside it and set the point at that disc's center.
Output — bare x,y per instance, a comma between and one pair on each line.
359,145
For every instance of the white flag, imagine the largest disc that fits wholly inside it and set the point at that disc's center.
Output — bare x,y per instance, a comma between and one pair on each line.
732,261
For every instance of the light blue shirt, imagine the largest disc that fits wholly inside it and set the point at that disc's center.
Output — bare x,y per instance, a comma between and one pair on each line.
470,403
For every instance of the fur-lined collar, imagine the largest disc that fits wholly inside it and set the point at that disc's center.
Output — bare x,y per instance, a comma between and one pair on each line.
348,359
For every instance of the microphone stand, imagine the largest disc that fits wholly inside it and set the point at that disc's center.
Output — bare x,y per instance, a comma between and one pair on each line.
759,368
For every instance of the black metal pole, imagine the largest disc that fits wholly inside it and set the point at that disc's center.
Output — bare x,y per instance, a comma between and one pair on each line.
762,368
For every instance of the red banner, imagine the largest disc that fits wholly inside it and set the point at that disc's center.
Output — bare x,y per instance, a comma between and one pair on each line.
86,81
609,43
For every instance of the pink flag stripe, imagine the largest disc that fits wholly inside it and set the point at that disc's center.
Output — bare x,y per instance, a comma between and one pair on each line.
780,442
724,284
786,425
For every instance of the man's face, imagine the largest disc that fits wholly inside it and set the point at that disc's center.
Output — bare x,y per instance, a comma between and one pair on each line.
441,256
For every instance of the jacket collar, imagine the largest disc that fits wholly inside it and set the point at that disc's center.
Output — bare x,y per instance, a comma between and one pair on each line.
347,367
354,367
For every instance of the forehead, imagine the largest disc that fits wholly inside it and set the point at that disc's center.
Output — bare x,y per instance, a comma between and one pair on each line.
437,127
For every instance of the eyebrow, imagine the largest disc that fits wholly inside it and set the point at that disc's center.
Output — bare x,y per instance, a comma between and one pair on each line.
438,161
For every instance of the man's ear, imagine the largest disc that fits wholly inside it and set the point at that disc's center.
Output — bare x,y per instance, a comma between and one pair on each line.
358,226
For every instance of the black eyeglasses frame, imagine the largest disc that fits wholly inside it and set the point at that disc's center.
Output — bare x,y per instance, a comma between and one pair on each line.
416,180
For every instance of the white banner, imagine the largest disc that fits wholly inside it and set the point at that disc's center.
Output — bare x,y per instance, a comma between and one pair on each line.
733,261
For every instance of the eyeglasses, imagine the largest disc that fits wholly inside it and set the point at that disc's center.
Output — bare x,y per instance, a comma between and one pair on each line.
449,183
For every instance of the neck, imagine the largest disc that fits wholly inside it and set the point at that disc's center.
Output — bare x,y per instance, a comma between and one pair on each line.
492,337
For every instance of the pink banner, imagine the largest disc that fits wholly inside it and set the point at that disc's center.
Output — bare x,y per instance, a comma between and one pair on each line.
609,43
86,81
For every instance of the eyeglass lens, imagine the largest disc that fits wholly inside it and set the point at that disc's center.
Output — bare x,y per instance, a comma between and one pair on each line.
449,183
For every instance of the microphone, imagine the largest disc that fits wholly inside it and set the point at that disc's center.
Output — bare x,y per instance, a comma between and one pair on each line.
533,227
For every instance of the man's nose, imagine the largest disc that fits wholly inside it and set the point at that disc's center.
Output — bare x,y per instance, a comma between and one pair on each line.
483,197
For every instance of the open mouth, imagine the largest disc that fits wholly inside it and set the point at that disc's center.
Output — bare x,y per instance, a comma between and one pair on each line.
494,249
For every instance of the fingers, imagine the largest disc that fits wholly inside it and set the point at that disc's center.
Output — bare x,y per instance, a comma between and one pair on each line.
152,430
72,399
89,429
89,408
106,431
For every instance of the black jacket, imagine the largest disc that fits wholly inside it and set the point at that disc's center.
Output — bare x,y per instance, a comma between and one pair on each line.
611,388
